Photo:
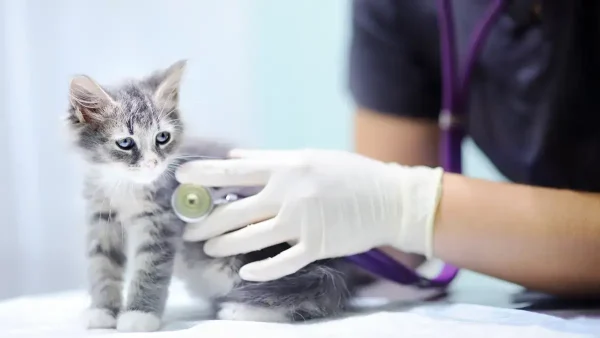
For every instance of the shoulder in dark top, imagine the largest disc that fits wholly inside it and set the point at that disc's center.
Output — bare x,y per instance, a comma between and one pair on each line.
534,107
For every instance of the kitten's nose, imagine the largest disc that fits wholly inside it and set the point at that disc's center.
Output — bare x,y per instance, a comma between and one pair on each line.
150,163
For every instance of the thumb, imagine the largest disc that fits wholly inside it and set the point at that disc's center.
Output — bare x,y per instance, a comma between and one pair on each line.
284,264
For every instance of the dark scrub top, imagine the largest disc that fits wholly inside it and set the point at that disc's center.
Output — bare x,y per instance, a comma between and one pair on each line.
535,93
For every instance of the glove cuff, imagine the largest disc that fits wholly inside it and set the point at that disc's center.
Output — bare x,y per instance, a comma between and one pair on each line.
419,193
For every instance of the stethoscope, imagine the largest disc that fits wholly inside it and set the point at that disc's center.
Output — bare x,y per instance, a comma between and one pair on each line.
193,203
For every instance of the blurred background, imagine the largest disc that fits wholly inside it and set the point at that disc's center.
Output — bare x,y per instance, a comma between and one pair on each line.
262,73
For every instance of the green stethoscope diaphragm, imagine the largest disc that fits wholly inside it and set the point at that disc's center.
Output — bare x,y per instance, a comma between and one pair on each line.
192,203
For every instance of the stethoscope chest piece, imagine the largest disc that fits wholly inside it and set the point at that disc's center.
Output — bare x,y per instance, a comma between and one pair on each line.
192,202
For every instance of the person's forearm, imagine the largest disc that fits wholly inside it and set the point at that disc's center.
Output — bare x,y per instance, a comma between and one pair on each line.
408,141
543,239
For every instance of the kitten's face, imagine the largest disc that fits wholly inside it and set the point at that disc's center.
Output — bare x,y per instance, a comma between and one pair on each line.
130,133
133,146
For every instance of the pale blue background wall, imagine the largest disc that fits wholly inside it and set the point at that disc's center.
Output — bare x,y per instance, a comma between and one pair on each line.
300,72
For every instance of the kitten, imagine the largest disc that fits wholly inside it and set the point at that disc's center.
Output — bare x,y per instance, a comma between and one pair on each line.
131,138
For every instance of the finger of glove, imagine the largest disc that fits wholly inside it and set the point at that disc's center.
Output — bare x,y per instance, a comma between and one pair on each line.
251,238
230,217
227,173
261,154
284,264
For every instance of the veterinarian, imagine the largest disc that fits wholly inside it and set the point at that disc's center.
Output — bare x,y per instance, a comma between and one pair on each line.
533,108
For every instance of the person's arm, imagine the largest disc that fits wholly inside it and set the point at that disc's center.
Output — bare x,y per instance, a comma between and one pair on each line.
405,140
334,204
540,238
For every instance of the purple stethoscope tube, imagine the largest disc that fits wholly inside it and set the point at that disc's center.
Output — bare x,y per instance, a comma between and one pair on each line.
454,100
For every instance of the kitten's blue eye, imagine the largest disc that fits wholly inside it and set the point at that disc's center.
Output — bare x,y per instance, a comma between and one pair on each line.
163,137
125,143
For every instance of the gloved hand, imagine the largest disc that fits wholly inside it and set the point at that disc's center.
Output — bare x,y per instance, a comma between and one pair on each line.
328,203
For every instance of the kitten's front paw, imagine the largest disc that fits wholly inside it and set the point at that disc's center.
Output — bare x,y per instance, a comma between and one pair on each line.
243,312
99,319
137,321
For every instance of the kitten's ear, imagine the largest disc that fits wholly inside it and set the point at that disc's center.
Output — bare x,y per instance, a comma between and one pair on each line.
88,99
167,84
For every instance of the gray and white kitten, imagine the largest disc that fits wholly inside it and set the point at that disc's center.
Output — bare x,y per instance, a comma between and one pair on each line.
131,138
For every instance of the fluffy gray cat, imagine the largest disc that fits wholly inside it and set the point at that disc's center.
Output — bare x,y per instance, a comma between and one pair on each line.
131,138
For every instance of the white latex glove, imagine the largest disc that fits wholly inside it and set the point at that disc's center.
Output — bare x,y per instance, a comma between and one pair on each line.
329,203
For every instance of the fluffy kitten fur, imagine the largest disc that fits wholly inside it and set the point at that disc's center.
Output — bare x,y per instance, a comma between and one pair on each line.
128,184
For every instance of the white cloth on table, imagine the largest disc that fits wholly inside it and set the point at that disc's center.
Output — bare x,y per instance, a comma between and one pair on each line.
58,315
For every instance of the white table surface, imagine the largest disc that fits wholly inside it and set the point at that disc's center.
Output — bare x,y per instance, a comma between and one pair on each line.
475,305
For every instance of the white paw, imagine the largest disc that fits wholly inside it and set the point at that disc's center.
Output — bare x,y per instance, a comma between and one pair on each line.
137,321
243,312
99,319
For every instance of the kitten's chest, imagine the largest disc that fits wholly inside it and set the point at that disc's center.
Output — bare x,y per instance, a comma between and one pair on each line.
126,205
130,210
